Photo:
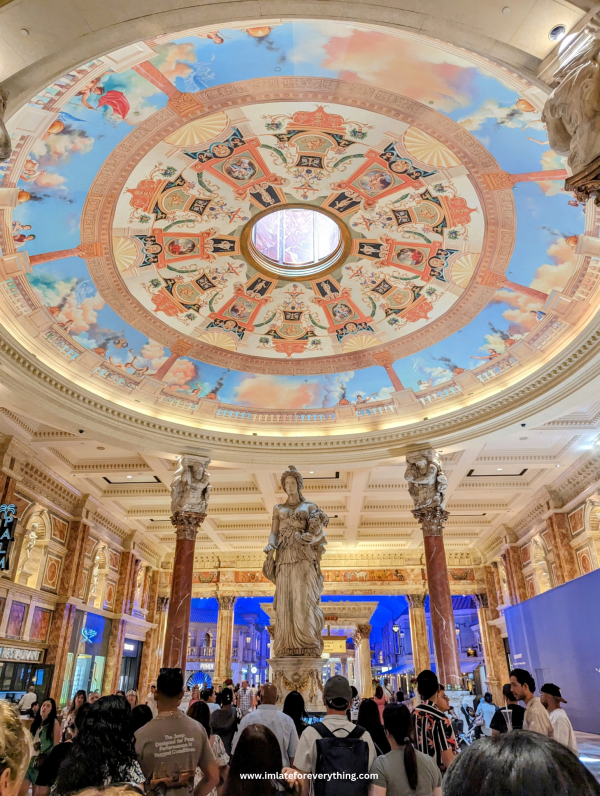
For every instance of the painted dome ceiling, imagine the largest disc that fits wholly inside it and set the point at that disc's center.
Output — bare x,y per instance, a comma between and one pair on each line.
136,180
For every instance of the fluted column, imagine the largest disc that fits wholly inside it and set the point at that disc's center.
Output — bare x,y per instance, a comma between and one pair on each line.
362,654
515,579
189,496
418,632
427,486
560,538
496,666
224,644
151,642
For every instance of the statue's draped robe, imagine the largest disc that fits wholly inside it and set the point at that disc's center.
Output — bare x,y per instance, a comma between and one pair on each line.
299,620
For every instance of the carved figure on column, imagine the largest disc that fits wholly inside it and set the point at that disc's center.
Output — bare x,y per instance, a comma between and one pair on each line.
5,146
293,564
427,486
572,116
190,491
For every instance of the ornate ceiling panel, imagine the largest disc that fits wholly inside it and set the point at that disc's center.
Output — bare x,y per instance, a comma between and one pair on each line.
133,178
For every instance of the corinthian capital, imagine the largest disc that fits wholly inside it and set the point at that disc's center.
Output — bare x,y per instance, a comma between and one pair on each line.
226,602
427,486
187,523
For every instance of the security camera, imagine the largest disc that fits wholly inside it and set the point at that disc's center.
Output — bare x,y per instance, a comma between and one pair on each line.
523,424
82,431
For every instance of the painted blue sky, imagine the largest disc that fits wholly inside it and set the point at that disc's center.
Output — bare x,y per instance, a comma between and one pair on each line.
67,163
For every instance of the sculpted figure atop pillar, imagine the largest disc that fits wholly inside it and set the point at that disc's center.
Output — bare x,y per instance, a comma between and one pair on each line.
5,147
571,116
427,486
190,491
293,564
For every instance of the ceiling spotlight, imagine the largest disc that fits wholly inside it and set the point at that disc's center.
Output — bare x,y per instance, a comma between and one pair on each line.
311,472
558,465
506,10
129,476
557,33
24,32
499,469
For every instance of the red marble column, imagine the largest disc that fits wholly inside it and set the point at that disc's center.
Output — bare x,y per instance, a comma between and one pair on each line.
514,574
440,603
560,537
156,77
178,618
386,360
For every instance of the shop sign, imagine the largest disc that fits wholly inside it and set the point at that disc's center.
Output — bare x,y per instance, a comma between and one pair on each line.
16,654
333,645
8,523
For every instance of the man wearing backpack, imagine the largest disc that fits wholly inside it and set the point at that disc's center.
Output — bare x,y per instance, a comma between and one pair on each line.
335,746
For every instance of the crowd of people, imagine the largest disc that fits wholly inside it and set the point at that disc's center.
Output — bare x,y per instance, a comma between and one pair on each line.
238,742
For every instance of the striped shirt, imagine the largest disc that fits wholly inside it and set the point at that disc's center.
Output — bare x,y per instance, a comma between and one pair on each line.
433,731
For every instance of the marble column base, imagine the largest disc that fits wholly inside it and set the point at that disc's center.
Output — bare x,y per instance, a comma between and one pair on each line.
299,674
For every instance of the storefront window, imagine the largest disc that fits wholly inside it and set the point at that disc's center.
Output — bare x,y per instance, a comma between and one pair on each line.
130,664
87,655
16,619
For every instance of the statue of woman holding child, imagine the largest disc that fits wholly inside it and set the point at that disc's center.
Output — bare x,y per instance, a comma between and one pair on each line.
293,564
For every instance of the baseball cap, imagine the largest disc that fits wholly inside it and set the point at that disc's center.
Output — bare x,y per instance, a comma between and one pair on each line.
337,687
552,690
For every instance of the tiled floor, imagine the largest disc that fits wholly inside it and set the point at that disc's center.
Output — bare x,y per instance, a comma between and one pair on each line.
589,751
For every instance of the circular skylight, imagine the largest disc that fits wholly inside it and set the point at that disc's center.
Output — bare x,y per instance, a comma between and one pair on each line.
297,242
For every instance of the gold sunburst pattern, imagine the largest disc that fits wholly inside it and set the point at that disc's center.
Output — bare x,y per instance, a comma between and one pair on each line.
425,148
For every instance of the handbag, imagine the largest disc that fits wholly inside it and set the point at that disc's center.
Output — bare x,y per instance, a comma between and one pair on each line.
479,720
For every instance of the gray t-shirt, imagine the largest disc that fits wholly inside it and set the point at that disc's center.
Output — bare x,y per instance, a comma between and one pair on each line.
391,774
169,749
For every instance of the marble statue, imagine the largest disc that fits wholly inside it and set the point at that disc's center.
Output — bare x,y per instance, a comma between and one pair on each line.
572,111
293,564
32,538
191,486
427,483
5,147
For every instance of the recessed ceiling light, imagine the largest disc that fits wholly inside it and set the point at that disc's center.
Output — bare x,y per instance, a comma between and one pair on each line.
310,472
129,476
498,468
557,33
558,465
24,32
506,10
100,448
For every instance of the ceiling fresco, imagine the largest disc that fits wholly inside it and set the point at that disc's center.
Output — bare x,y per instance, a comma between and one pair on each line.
137,174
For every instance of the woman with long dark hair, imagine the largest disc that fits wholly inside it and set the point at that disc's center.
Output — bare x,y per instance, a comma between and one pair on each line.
403,771
49,770
294,707
368,717
103,752
517,763
45,730
68,728
200,712
224,721
380,701
257,753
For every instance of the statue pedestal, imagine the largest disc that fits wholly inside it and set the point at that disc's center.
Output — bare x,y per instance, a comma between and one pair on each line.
299,674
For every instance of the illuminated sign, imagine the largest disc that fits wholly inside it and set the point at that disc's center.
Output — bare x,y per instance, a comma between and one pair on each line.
333,645
16,654
8,523
129,647
88,634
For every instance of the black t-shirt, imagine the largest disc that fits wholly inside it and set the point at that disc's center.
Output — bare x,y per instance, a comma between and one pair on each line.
48,772
498,721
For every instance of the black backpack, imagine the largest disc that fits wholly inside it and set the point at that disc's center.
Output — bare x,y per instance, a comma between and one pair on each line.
349,755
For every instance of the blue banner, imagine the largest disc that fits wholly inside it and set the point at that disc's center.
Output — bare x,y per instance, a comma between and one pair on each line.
556,637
